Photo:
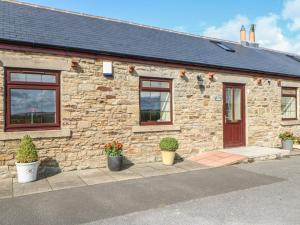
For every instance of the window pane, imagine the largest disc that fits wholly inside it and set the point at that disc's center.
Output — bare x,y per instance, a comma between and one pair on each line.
288,107
159,84
237,104
48,78
32,106
229,105
155,106
26,77
33,77
146,84
17,77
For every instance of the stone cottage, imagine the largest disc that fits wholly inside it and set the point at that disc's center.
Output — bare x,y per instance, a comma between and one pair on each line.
74,82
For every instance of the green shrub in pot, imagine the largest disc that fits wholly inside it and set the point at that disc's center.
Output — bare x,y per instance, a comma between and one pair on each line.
168,146
27,160
287,140
27,152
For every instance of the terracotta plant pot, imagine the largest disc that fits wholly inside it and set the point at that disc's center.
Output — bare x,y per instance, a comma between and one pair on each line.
168,157
114,163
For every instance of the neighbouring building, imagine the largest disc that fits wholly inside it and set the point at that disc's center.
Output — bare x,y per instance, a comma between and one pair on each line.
74,82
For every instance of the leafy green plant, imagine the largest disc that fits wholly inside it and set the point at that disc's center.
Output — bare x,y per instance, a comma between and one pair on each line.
113,149
168,144
286,136
26,152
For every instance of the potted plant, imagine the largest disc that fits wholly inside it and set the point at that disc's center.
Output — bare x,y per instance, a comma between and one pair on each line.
287,140
168,146
27,160
114,155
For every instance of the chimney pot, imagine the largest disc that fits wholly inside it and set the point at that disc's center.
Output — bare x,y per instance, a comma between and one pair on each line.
252,34
243,34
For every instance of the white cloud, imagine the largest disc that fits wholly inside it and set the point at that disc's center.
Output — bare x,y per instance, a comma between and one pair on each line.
291,12
268,32
229,30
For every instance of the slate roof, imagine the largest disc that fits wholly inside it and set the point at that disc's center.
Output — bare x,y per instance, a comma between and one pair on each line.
41,26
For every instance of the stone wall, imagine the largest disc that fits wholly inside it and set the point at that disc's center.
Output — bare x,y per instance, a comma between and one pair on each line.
97,110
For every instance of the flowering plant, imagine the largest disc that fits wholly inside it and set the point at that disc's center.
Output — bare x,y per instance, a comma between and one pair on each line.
113,149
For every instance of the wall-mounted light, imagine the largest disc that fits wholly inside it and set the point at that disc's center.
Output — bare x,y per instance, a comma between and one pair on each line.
131,68
107,68
200,82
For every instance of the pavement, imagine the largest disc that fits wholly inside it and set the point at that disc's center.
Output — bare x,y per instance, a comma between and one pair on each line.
261,193
257,152
66,180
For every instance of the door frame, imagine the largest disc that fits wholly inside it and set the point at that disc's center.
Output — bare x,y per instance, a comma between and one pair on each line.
243,111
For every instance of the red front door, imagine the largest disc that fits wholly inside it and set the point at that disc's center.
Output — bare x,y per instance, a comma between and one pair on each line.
234,115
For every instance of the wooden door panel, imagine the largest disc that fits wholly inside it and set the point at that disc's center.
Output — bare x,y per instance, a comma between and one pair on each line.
234,115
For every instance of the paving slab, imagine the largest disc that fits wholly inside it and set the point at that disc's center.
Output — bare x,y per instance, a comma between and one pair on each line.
95,176
148,171
6,188
159,166
122,175
38,186
65,180
256,151
189,165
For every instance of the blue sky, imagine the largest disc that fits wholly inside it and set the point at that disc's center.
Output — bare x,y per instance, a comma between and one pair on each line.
277,21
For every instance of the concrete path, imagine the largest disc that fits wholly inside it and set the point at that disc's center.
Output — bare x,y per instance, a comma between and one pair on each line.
256,152
11,188
166,196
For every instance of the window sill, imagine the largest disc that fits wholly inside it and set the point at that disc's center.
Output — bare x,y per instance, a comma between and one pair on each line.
290,122
4,136
155,128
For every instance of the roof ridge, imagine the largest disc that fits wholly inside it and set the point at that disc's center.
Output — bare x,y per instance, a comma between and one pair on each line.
118,21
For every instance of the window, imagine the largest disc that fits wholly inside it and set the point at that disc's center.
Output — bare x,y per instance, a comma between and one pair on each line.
155,101
223,46
289,103
32,100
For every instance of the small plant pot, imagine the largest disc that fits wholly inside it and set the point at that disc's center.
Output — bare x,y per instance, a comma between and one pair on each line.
114,163
287,145
27,172
168,157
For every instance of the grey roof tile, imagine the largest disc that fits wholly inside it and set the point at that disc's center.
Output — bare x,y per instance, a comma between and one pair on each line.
28,24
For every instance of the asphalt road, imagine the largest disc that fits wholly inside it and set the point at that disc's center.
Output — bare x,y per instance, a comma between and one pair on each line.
259,193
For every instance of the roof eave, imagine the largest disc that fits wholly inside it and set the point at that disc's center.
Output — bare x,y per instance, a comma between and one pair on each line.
138,57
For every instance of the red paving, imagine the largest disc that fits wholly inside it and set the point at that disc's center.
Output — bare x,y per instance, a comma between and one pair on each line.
217,158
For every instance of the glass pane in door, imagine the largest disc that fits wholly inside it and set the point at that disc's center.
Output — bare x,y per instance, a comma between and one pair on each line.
237,104
229,104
